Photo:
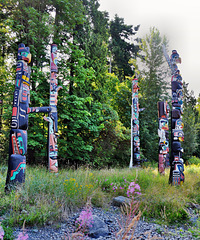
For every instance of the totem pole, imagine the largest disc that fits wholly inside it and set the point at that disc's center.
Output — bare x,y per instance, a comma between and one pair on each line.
19,121
177,136
52,148
135,141
163,133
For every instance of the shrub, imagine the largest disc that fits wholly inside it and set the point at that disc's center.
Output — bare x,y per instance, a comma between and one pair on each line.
194,160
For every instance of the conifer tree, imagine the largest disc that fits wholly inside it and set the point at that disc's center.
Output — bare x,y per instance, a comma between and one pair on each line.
153,83
190,121
122,47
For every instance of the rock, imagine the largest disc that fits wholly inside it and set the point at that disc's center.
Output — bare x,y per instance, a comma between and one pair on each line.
98,228
120,200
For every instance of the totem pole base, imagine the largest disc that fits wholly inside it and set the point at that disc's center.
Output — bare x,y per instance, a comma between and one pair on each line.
16,172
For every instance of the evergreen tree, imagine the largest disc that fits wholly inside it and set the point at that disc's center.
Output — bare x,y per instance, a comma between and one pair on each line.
191,126
122,47
92,37
153,88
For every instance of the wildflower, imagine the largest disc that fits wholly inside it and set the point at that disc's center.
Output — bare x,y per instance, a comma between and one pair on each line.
1,232
85,219
138,193
131,189
22,236
111,184
137,186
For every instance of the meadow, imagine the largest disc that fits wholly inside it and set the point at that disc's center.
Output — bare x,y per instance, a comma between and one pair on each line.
48,197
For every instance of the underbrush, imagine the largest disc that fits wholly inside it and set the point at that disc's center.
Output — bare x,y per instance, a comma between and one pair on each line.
194,160
46,197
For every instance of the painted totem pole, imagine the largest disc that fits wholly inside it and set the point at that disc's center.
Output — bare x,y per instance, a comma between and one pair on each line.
53,116
135,140
163,133
19,121
177,136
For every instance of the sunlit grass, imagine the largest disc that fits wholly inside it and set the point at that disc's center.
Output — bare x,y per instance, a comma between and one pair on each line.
47,197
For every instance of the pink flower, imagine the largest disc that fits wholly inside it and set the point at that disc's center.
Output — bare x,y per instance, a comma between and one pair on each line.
111,184
137,187
131,189
139,193
85,218
132,184
1,232
22,236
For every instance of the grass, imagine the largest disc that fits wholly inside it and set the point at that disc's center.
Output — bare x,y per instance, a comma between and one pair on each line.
46,197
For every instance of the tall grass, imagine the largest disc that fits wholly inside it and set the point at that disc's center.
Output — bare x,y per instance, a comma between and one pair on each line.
46,197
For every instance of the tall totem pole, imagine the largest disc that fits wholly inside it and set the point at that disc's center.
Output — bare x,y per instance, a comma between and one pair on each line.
163,133
52,148
135,140
177,136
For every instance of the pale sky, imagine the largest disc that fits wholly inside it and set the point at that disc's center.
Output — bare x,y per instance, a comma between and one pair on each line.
179,20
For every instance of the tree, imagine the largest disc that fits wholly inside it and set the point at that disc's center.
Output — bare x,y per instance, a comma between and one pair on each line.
191,126
88,117
122,47
153,88
92,37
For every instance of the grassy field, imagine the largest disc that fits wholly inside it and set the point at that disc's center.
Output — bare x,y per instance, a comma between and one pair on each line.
47,197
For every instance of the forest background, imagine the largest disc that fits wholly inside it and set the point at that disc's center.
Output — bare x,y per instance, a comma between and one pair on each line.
97,59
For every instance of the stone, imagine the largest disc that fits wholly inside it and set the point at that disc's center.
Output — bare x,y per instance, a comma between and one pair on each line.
120,201
98,228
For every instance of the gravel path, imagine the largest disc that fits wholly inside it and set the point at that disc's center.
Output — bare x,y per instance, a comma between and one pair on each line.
144,229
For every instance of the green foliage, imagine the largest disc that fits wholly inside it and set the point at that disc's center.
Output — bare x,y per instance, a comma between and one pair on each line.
82,121
194,160
122,101
120,47
113,144
8,232
190,123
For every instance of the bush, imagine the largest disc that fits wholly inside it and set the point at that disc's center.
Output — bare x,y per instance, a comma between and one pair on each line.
194,160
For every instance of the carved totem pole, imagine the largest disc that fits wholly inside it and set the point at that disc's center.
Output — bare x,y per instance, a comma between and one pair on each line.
163,133
135,140
177,136
53,116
